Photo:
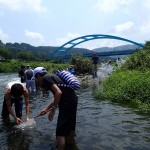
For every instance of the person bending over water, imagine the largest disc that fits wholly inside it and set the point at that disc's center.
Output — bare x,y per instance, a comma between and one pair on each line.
14,93
65,99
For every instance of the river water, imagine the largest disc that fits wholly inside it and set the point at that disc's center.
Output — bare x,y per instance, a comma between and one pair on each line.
101,125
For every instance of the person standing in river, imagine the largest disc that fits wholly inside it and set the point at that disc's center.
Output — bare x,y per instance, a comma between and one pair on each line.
30,83
95,61
65,99
13,95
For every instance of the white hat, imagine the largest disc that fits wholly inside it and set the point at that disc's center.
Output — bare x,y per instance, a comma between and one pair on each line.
39,70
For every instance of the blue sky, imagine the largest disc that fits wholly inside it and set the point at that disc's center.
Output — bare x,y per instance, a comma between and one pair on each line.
55,22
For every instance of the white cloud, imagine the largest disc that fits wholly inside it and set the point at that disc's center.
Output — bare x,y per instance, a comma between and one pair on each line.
145,28
35,37
3,36
135,32
125,27
107,6
23,5
146,4
68,37
126,30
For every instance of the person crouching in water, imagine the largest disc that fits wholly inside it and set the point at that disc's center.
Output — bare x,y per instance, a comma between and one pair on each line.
65,99
13,94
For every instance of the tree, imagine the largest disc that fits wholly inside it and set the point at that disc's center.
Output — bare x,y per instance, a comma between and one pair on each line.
25,56
82,64
2,45
7,55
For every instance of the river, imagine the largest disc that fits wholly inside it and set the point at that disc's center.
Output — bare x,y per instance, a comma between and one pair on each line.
101,125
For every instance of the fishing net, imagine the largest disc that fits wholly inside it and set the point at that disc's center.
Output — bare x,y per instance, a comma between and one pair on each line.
27,124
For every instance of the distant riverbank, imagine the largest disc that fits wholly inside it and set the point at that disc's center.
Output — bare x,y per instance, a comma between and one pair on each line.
14,66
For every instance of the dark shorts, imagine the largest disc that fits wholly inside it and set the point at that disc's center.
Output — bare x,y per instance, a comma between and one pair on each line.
67,114
18,102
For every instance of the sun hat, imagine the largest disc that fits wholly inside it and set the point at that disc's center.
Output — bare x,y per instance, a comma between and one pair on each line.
39,70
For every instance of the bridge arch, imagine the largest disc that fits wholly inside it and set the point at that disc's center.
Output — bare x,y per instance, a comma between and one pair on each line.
79,40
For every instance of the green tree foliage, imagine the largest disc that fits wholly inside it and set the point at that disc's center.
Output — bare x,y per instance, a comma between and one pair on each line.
139,61
5,54
147,45
26,56
82,65
2,45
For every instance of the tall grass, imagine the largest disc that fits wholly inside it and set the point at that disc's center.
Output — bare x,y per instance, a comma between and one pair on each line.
130,87
14,66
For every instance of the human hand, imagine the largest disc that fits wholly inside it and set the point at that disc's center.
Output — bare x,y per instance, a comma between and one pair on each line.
18,120
51,115
27,119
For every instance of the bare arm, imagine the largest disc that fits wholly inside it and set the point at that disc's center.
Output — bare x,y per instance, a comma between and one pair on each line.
26,98
55,102
8,103
53,105
57,96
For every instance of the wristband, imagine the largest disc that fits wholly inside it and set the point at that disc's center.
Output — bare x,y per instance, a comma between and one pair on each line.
53,107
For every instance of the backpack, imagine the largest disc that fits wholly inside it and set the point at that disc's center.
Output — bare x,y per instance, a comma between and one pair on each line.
69,79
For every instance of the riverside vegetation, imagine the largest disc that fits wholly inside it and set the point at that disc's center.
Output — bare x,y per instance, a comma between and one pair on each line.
14,65
130,84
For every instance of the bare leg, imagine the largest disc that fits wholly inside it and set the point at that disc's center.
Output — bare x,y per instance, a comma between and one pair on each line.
61,142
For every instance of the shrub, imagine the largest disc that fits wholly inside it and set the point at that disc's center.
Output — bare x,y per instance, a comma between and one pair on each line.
83,65
126,87
139,61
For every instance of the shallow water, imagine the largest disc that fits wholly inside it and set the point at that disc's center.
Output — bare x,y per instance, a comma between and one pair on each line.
100,125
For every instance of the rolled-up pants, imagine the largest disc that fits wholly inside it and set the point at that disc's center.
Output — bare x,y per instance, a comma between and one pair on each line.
30,84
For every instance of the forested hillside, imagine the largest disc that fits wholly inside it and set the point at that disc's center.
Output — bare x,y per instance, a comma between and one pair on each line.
42,52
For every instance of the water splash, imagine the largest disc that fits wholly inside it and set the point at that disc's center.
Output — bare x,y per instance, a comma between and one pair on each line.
27,124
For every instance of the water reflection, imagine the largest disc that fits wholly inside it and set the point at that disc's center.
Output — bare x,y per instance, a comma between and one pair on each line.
100,125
